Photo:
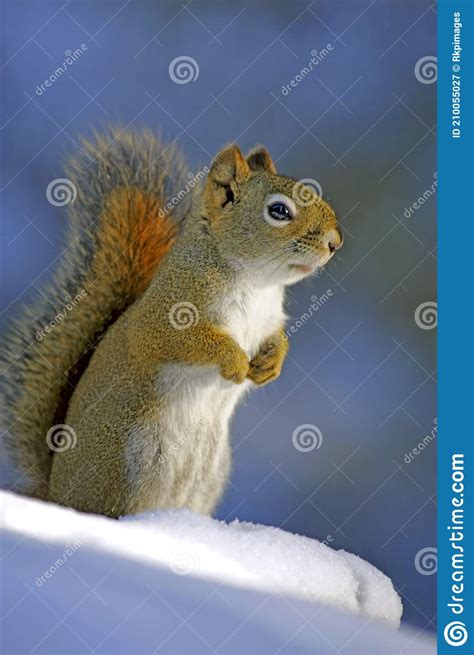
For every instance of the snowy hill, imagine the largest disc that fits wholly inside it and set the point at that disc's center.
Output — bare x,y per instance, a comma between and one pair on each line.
177,582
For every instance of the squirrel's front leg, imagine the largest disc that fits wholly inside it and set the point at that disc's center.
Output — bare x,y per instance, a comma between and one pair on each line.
267,363
205,343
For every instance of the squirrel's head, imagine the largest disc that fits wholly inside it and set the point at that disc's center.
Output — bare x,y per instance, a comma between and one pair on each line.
278,229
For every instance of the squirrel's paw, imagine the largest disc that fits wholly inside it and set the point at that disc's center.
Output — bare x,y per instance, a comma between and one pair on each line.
235,366
267,364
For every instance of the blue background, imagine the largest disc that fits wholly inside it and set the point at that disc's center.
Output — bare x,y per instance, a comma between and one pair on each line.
363,126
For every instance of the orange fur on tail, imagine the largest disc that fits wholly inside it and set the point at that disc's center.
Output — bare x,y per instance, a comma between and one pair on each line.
117,237
135,236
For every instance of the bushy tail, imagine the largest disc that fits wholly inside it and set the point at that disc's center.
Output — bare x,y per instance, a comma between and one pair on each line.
119,230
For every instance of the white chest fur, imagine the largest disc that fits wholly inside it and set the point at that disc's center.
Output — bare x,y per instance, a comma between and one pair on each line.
251,315
193,422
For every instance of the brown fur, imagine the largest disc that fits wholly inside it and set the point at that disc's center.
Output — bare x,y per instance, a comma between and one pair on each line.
116,240
117,398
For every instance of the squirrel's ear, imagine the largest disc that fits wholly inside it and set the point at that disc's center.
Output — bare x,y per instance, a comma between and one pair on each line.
228,171
259,159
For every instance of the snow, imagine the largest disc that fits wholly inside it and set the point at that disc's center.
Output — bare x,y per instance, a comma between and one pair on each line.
273,560
178,582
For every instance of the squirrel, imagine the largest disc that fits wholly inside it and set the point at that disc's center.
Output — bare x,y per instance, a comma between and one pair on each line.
123,405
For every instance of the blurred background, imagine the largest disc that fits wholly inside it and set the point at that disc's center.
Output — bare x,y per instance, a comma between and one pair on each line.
361,370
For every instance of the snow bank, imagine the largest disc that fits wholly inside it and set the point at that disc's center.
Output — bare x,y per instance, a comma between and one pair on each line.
281,591
241,554
273,560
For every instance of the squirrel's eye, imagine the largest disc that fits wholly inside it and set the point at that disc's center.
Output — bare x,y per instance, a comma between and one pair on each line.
279,212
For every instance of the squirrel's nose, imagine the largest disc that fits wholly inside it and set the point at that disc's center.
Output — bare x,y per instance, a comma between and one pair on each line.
333,239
